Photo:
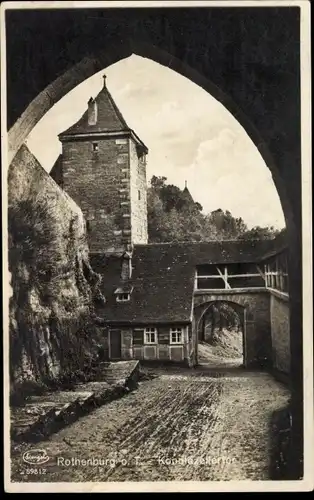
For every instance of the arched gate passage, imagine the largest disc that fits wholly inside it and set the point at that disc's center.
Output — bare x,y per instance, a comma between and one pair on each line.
254,307
206,313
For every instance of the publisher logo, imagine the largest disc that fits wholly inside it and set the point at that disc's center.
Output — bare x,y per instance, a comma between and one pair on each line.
35,457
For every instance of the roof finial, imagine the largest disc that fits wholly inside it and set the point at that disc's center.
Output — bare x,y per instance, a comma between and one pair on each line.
104,78
186,184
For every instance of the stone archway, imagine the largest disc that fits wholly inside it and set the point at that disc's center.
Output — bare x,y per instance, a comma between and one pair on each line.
204,313
185,35
257,329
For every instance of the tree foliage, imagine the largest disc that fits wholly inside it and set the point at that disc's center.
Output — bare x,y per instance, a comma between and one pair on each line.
174,216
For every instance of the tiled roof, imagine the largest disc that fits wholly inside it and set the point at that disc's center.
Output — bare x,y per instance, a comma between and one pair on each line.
277,245
109,117
163,278
211,252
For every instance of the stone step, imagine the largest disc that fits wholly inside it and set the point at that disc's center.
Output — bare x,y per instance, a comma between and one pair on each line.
116,371
93,386
55,397
46,413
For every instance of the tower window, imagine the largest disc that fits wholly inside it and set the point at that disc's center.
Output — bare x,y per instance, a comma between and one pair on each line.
139,195
95,147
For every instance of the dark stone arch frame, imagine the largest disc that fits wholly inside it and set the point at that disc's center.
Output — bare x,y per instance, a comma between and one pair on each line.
285,146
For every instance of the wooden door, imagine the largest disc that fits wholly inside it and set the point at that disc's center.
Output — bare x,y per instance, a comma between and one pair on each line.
115,343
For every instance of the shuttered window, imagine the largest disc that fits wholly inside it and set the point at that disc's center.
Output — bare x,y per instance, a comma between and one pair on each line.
138,337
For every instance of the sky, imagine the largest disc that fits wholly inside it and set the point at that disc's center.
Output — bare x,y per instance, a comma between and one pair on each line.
190,136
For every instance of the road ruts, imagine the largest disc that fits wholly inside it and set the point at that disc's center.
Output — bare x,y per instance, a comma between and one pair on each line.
174,427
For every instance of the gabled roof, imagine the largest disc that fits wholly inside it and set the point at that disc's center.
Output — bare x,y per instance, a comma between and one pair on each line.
109,119
124,289
163,278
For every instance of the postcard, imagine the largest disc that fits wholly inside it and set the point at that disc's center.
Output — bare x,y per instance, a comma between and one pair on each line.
157,246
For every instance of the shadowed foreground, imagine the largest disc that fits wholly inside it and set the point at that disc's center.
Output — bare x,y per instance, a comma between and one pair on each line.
182,425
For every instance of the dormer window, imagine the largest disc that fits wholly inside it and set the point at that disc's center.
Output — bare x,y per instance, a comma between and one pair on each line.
123,294
95,147
123,297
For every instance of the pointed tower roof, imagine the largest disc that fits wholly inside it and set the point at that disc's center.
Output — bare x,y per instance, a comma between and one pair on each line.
187,194
107,120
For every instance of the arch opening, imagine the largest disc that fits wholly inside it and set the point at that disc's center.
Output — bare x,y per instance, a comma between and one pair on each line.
220,330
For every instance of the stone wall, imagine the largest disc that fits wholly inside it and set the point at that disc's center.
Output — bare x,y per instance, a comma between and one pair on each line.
280,332
51,327
99,182
138,192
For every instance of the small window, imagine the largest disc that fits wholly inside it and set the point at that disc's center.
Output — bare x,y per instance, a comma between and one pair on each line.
139,195
95,147
123,297
176,336
150,336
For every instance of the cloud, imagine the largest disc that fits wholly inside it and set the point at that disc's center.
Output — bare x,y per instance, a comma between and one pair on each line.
167,108
126,90
224,141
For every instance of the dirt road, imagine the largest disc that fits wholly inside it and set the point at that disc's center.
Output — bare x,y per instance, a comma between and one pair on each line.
182,425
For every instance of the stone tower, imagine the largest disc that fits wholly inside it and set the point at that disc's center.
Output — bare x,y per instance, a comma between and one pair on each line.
103,168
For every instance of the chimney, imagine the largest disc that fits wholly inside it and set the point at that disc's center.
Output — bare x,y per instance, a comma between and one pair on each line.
126,270
92,112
